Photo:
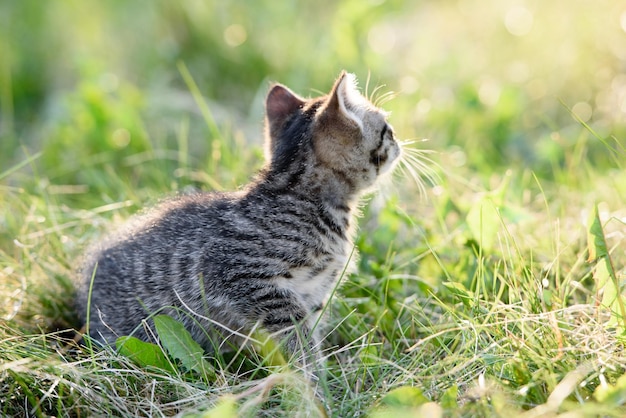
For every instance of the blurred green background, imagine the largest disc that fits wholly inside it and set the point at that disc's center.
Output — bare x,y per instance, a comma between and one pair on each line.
491,83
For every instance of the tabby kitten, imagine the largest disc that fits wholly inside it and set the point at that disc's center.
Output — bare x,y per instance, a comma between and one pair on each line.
221,263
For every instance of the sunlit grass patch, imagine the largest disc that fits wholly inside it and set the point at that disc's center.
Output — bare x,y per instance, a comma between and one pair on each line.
483,299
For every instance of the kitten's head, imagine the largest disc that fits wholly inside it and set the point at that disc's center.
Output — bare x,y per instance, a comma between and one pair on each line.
342,132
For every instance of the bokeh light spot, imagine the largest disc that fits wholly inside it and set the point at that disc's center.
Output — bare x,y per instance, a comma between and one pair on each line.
518,21
489,93
409,84
518,71
422,108
235,35
583,111
381,38
121,138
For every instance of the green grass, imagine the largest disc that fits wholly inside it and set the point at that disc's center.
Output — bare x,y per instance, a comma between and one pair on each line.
498,294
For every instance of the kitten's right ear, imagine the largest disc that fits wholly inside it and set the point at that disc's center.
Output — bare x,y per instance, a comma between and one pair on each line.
279,105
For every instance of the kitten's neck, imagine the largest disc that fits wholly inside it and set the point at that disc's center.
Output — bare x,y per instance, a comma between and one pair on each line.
334,188
315,182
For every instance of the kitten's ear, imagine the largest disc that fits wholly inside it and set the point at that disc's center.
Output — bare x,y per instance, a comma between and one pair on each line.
279,105
346,100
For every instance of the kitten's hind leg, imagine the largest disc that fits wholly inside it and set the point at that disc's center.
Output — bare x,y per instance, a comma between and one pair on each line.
282,315
302,346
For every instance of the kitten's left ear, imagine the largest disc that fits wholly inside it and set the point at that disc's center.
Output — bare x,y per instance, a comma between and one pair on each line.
279,105
345,99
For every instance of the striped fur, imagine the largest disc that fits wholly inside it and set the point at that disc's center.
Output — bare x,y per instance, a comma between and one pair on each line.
223,263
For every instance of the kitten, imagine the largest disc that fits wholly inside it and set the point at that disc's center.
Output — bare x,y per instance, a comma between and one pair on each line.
271,254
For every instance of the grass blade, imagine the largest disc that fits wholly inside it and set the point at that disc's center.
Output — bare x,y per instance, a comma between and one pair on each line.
16,167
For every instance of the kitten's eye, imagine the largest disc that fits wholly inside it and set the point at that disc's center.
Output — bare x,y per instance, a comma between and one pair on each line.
384,131
386,128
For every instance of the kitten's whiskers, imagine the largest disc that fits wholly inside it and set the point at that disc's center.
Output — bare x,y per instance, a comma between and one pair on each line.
415,163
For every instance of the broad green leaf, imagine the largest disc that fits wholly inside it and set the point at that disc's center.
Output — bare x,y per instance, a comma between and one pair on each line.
406,402
458,290
226,408
612,394
143,354
449,398
404,396
605,275
547,296
427,410
484,217
483,221
595,237
514,214
369,355
181,346
268,349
